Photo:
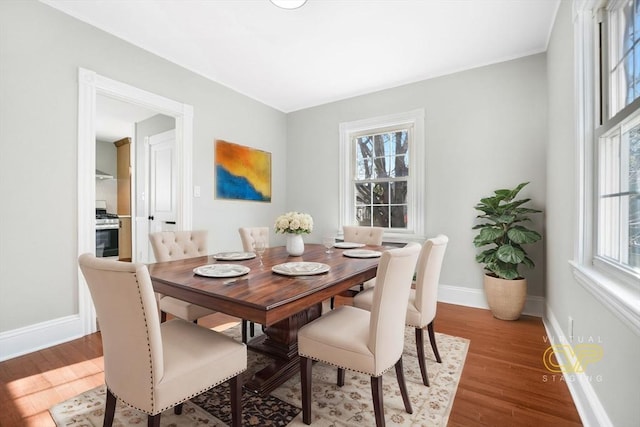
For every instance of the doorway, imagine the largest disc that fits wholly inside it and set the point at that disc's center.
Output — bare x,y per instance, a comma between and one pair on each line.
91,84
120,128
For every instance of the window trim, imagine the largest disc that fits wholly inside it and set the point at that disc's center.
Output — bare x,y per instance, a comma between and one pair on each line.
615,293
417,167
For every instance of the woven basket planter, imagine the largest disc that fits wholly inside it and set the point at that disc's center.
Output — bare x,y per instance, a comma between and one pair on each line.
506,298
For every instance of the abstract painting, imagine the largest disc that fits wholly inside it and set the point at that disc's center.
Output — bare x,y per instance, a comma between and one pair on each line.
242,173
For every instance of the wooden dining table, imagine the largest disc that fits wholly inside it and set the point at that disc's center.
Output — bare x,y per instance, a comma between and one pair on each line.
281,303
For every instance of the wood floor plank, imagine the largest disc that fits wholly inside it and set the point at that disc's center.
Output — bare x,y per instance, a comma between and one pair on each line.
502,383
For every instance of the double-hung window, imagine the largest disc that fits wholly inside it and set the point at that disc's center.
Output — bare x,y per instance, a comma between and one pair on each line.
382,174
617,148
608,76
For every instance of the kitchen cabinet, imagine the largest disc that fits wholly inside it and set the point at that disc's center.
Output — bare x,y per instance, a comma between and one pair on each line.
124,239
123,175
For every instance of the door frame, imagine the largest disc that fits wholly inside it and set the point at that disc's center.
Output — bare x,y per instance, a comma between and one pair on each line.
90,84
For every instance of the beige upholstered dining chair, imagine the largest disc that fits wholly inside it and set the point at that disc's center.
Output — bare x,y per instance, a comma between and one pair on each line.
359,234
174,245
421,310
153,366
365,341
249,235
367,236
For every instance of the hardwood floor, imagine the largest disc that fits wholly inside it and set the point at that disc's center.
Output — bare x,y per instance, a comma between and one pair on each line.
504,382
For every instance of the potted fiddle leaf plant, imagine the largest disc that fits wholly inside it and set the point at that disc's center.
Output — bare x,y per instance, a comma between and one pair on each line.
502,233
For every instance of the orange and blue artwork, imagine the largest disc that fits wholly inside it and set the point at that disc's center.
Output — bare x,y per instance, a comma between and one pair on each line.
242,173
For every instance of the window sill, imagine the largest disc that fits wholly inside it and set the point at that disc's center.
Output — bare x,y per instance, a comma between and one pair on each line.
396,238
621,299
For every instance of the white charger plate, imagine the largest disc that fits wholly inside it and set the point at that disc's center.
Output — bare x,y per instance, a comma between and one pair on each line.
348,245
234,256
221,270
361,253
300,268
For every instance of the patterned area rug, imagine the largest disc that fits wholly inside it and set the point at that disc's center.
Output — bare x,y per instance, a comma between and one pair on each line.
332,406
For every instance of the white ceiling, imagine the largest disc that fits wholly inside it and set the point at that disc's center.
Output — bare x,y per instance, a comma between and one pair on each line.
115,119
328,49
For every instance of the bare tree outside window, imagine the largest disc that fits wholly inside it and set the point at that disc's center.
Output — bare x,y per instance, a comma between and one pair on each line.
381,179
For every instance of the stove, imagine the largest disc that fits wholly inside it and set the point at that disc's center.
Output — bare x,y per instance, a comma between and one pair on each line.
105,221
107,231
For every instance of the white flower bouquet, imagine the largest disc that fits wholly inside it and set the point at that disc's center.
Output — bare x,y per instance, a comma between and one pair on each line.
294,223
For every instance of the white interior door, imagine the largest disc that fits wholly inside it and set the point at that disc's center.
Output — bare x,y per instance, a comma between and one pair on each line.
162,183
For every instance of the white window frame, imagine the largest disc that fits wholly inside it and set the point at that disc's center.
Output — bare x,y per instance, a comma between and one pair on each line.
417,165
617,290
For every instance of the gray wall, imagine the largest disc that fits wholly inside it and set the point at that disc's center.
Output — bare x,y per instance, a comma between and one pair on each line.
40,52
616,377
484,129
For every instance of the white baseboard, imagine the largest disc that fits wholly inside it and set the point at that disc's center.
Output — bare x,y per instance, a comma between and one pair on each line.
589,408
31,338
469,297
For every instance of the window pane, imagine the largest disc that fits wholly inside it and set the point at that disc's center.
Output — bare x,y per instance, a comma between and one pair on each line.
363,169
634,159
398,192
634,197
363,215
381,216
608,228
619,201
627,23
398,217
628,78
363,193
636,70
381,193
364,158
624,62
380,167
400,166
634,232
364,148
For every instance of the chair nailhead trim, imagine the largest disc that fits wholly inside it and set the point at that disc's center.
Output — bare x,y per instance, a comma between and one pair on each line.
182,400
343,367
148,343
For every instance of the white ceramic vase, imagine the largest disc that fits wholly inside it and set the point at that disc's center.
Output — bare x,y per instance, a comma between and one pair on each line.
295,244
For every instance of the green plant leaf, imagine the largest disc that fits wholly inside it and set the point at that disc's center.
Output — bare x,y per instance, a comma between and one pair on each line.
521,211
508,274
510,254
506,219
528,262
487,256
522,235
488,235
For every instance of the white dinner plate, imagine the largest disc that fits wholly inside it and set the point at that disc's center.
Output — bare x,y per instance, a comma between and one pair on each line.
361,253
300,268
221,270
348,245
234,256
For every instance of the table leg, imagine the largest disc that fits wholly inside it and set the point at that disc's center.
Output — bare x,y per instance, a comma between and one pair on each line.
280,342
